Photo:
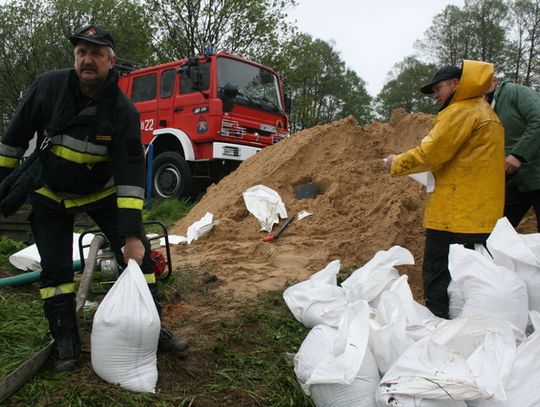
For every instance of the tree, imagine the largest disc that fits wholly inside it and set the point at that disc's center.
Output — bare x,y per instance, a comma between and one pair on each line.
322,87
246,27
403,88
526,27
446,41
477,32
33,39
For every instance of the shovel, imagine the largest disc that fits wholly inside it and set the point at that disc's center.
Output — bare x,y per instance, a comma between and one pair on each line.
274,236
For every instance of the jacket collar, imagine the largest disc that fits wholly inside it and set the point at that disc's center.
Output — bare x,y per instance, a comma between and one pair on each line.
106,88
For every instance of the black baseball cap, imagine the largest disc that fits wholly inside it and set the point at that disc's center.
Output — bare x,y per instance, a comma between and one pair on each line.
443,74
93,34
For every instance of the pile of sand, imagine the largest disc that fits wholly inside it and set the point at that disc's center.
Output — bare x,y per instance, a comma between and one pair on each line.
359,209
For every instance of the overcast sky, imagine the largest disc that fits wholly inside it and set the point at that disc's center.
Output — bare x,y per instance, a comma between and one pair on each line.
371,35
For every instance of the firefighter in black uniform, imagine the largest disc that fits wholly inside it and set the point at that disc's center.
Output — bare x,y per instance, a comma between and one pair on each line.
92,161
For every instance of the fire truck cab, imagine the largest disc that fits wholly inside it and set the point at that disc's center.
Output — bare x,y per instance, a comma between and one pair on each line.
203,116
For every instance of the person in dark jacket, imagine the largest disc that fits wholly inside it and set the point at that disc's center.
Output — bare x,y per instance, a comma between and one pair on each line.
518,107
92,161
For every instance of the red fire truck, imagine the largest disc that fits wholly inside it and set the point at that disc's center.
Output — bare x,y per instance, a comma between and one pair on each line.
202,116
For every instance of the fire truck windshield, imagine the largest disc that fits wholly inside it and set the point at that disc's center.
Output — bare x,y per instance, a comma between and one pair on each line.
250,85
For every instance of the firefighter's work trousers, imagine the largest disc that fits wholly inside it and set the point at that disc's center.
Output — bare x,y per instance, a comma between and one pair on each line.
435,267
52,228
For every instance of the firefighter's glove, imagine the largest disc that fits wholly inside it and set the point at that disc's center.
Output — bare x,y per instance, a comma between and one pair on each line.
17,185
17,194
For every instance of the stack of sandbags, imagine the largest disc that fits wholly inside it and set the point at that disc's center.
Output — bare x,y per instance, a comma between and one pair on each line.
371,327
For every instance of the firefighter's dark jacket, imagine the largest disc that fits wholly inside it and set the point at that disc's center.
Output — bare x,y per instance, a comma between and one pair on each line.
95,151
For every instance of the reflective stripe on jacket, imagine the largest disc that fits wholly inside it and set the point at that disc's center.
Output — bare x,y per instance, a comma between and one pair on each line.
465,152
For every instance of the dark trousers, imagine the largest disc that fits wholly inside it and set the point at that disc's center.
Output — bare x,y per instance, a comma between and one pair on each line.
52,228
435,268
518,203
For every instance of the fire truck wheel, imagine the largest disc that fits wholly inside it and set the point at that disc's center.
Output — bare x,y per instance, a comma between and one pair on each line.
172,176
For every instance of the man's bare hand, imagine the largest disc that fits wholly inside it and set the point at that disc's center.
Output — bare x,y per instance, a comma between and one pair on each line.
134,249
387,162
512,164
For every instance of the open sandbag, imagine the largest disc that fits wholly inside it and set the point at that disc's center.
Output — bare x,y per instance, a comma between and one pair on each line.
519,253
489,290
335,366
369,281
318,300
467,358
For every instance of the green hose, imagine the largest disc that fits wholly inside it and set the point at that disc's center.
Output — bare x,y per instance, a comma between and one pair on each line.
29,277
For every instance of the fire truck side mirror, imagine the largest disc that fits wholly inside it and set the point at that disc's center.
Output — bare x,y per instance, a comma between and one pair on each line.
230,91
288,102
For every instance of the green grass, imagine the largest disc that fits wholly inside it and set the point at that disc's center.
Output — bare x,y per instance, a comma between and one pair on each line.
23,329
249,363
255,354
7,248
244,360
167,211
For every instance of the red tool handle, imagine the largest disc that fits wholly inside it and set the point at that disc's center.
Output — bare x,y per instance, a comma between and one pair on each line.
272,237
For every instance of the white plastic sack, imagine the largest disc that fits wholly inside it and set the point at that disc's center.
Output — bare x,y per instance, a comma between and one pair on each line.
334,356
456,300
524,382
265,204
29,259
318,300
463,359
518,253
426,179
388,333
534,318
405,401
125,334
420,321
200,228
360,393
369,281
489,290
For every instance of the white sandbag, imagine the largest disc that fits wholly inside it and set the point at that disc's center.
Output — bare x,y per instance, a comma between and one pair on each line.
388,334
420,321
519,253
265,204
200,228
318,300
534,318
489,290
466,358
369,281
29,258
125,334
524,382
334,356
456,300
359,393
405,401
398,323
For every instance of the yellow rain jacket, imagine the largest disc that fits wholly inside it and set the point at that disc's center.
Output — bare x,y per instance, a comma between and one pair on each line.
465,152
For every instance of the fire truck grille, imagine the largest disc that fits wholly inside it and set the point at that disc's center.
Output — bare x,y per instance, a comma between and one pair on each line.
230,151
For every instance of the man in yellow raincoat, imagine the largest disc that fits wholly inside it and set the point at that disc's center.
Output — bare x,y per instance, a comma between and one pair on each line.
465,152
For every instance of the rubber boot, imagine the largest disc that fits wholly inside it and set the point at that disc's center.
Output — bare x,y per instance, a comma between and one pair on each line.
167,341
60,311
